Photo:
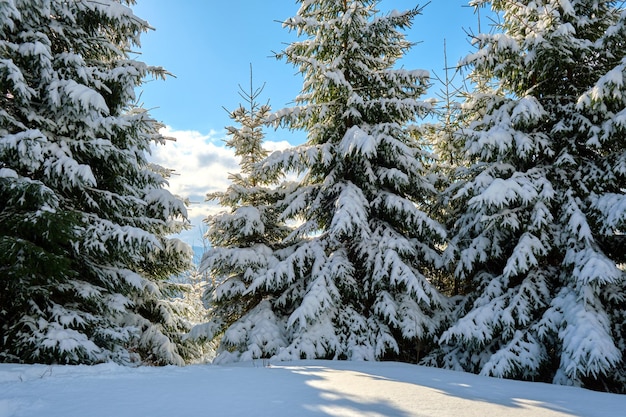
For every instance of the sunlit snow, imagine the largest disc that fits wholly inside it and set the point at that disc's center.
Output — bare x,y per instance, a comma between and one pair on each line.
288,389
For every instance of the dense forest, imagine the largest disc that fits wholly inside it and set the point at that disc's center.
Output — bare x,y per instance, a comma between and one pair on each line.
484,232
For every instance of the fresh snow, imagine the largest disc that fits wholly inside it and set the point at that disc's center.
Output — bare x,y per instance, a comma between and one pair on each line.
286,389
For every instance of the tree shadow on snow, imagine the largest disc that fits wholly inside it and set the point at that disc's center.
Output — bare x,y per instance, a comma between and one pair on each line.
393,389
323,391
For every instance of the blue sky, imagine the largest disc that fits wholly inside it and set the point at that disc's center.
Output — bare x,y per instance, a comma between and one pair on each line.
209,45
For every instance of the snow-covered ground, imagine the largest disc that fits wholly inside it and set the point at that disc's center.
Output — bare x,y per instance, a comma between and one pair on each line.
288,389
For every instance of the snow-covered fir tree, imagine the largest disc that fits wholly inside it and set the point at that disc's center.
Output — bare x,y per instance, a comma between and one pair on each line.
355,284
83,254
244,243
540,244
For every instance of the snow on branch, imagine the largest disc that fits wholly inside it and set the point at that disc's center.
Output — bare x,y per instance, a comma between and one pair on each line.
351,213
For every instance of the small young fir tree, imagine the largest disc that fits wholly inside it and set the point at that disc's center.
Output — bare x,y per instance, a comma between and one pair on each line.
245,241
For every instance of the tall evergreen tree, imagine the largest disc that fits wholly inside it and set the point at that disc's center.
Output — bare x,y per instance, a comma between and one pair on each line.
356,282
244,243
544,196
83,253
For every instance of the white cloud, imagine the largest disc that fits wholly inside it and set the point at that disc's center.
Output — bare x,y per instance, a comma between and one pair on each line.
276,146
201,164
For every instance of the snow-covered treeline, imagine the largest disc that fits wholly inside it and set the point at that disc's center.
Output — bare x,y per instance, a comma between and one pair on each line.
490,241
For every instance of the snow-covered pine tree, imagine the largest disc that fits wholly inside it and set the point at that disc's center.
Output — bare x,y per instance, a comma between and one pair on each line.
83,252
356,285
243,242
545,199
